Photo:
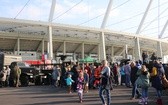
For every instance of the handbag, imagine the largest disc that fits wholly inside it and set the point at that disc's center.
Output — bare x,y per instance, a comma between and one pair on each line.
139,81
142,82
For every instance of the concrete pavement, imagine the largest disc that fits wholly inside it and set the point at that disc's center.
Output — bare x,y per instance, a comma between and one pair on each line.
49,95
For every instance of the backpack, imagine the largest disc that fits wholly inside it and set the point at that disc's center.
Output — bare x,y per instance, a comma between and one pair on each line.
154,71
106,81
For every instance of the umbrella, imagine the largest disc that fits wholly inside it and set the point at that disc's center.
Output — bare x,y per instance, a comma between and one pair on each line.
87,60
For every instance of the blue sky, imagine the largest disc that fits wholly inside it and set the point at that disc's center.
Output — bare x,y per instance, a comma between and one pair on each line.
125,14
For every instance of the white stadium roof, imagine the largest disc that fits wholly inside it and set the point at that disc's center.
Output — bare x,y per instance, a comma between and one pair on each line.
32,33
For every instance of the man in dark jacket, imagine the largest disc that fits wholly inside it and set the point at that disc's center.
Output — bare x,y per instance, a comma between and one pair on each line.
105,83
157,82
134,76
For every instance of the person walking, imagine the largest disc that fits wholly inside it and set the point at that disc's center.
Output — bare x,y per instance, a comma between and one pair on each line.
122,72
80,86
105,83
127,69
86,81
55,75
156,75
69,82
17,73
144,84
134,75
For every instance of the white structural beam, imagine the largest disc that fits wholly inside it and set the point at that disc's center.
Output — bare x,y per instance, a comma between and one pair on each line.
42,47
144,16
163,30
83,50
137,45
50,30
38,46
122,52
102,40
126,51
159,49
52,10
107,14
98,52
137,49
64,48
159,44
50,43
112,53
102,47
18,46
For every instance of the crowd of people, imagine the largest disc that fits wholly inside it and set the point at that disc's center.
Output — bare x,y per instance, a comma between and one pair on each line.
103,76
10,77
137,75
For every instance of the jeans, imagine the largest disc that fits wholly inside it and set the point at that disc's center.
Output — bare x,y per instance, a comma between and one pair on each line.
144,92
80,94
108,94
135,90
159,93
127,80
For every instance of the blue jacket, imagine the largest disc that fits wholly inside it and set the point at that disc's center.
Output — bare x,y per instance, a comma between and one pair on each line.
69,81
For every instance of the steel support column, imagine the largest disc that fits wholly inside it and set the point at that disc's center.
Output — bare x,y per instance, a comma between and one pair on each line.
159,49
126,51
102,40
137,45
98,52
83,50
18,46
163,30
102,47
64,48
137,49
42,47
50,43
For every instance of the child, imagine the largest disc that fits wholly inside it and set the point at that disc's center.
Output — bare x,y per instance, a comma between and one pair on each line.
86,81
80,83
144,77
69,82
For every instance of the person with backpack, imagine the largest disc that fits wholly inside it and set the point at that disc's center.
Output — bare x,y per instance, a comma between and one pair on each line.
156,79
105,83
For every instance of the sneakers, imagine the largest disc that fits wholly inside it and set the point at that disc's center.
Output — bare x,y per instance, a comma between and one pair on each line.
141,101
132,98
146,101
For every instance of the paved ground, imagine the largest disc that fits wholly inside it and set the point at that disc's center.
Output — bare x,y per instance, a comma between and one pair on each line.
48,95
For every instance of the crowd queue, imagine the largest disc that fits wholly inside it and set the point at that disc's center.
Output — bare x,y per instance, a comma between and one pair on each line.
138,75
